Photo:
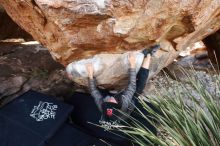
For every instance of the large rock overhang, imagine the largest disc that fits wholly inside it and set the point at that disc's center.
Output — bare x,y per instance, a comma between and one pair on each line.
78,29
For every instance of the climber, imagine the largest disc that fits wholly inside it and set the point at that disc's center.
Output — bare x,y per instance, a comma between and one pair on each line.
123,101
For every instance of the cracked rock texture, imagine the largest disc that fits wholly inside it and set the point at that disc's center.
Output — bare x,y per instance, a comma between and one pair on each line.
25,67
79,29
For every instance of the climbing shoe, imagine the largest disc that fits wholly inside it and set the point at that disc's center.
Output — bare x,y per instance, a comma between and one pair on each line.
151,50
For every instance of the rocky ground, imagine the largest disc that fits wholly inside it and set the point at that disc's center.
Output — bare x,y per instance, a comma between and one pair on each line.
26,66
193,65
183,87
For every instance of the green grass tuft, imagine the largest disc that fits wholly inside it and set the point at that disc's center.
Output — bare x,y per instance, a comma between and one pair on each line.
183,124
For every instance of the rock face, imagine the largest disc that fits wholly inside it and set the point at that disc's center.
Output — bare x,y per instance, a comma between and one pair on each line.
30,66
79,29
107,67
9,29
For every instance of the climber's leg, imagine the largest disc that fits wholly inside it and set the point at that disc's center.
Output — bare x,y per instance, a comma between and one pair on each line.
142,77
143,74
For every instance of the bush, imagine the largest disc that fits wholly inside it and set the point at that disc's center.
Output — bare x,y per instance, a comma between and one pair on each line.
178,122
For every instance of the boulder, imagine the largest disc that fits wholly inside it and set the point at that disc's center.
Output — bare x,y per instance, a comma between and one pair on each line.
30,66
107,67
111,70
79,29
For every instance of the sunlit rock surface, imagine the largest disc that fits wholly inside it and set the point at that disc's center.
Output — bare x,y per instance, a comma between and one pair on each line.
79,29
110,70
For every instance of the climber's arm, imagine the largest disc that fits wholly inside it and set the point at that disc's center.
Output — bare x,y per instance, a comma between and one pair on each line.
129,92
93,89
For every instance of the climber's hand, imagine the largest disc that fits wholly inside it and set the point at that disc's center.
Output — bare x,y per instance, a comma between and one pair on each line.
69,76
89,68
132,60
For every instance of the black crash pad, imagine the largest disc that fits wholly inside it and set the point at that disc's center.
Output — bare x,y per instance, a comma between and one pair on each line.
85,111
31,119
71,135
